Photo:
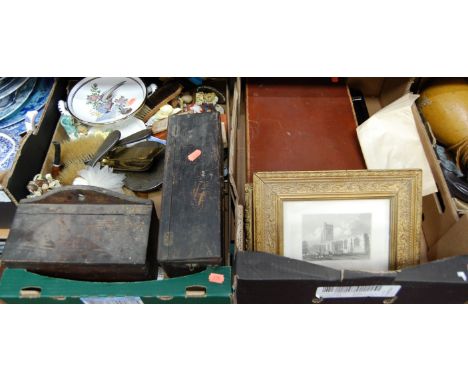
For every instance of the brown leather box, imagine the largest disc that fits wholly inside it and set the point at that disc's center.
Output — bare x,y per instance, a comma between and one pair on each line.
300,124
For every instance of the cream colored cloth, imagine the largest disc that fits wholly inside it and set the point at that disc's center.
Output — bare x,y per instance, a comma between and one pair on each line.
389,140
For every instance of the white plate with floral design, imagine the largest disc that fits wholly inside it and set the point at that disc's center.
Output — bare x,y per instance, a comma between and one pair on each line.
100,101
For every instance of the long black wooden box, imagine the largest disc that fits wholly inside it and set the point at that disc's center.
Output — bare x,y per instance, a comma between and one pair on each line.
190,234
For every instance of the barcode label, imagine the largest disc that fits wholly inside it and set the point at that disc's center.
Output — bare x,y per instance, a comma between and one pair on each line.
112,300
357,291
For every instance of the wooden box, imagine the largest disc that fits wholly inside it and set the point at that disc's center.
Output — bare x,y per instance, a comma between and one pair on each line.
191,230
300,124
84,233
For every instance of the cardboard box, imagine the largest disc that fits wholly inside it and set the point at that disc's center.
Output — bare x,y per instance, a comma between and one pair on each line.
444,231
19,286
16,285
29,157
59,134
264,278
31,154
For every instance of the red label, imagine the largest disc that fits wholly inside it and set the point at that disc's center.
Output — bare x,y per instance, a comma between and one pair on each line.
194,155
216,278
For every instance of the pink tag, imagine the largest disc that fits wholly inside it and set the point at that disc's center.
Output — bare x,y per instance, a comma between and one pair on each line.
194,155
216,278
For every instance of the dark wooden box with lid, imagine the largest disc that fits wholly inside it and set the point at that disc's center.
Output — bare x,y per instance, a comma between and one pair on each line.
84,233
190,235
300,124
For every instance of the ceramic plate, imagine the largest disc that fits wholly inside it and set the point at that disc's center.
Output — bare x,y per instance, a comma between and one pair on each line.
8,147
36,101
10,104
19,128
100,101
9,85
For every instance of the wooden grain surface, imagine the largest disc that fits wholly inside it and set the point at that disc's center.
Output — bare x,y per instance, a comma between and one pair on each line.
82,229
297,124
191,227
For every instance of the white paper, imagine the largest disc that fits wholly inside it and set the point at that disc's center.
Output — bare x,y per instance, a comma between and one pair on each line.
389,140
355,291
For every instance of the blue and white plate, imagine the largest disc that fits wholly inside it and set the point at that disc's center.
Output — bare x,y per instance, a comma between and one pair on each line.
8,147
10,104
36,101
9,85
19,128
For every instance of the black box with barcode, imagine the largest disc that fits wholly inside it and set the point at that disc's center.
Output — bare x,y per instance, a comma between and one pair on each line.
266,278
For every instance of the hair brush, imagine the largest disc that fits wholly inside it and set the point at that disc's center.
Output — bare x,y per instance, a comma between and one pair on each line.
159,98
70,172
81,149
75,153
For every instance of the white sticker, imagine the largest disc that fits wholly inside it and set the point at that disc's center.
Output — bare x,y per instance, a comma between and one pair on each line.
161,274
111,300
4,197
358,291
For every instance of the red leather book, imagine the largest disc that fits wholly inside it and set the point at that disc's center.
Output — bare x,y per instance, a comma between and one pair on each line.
297,124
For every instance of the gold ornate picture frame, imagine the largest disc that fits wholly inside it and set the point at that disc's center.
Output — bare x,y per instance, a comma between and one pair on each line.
365,219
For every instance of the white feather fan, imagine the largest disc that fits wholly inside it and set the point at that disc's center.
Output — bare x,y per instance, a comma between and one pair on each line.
100,177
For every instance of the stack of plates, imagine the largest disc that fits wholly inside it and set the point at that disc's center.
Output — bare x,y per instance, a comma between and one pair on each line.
18,95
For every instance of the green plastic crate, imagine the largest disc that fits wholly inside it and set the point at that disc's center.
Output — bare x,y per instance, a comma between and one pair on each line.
20,286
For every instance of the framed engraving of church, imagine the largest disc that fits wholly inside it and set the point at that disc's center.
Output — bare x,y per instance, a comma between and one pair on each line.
357,220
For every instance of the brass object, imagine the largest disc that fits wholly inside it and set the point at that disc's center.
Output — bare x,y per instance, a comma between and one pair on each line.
401,187
444,104
138,157
148,180
110,141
